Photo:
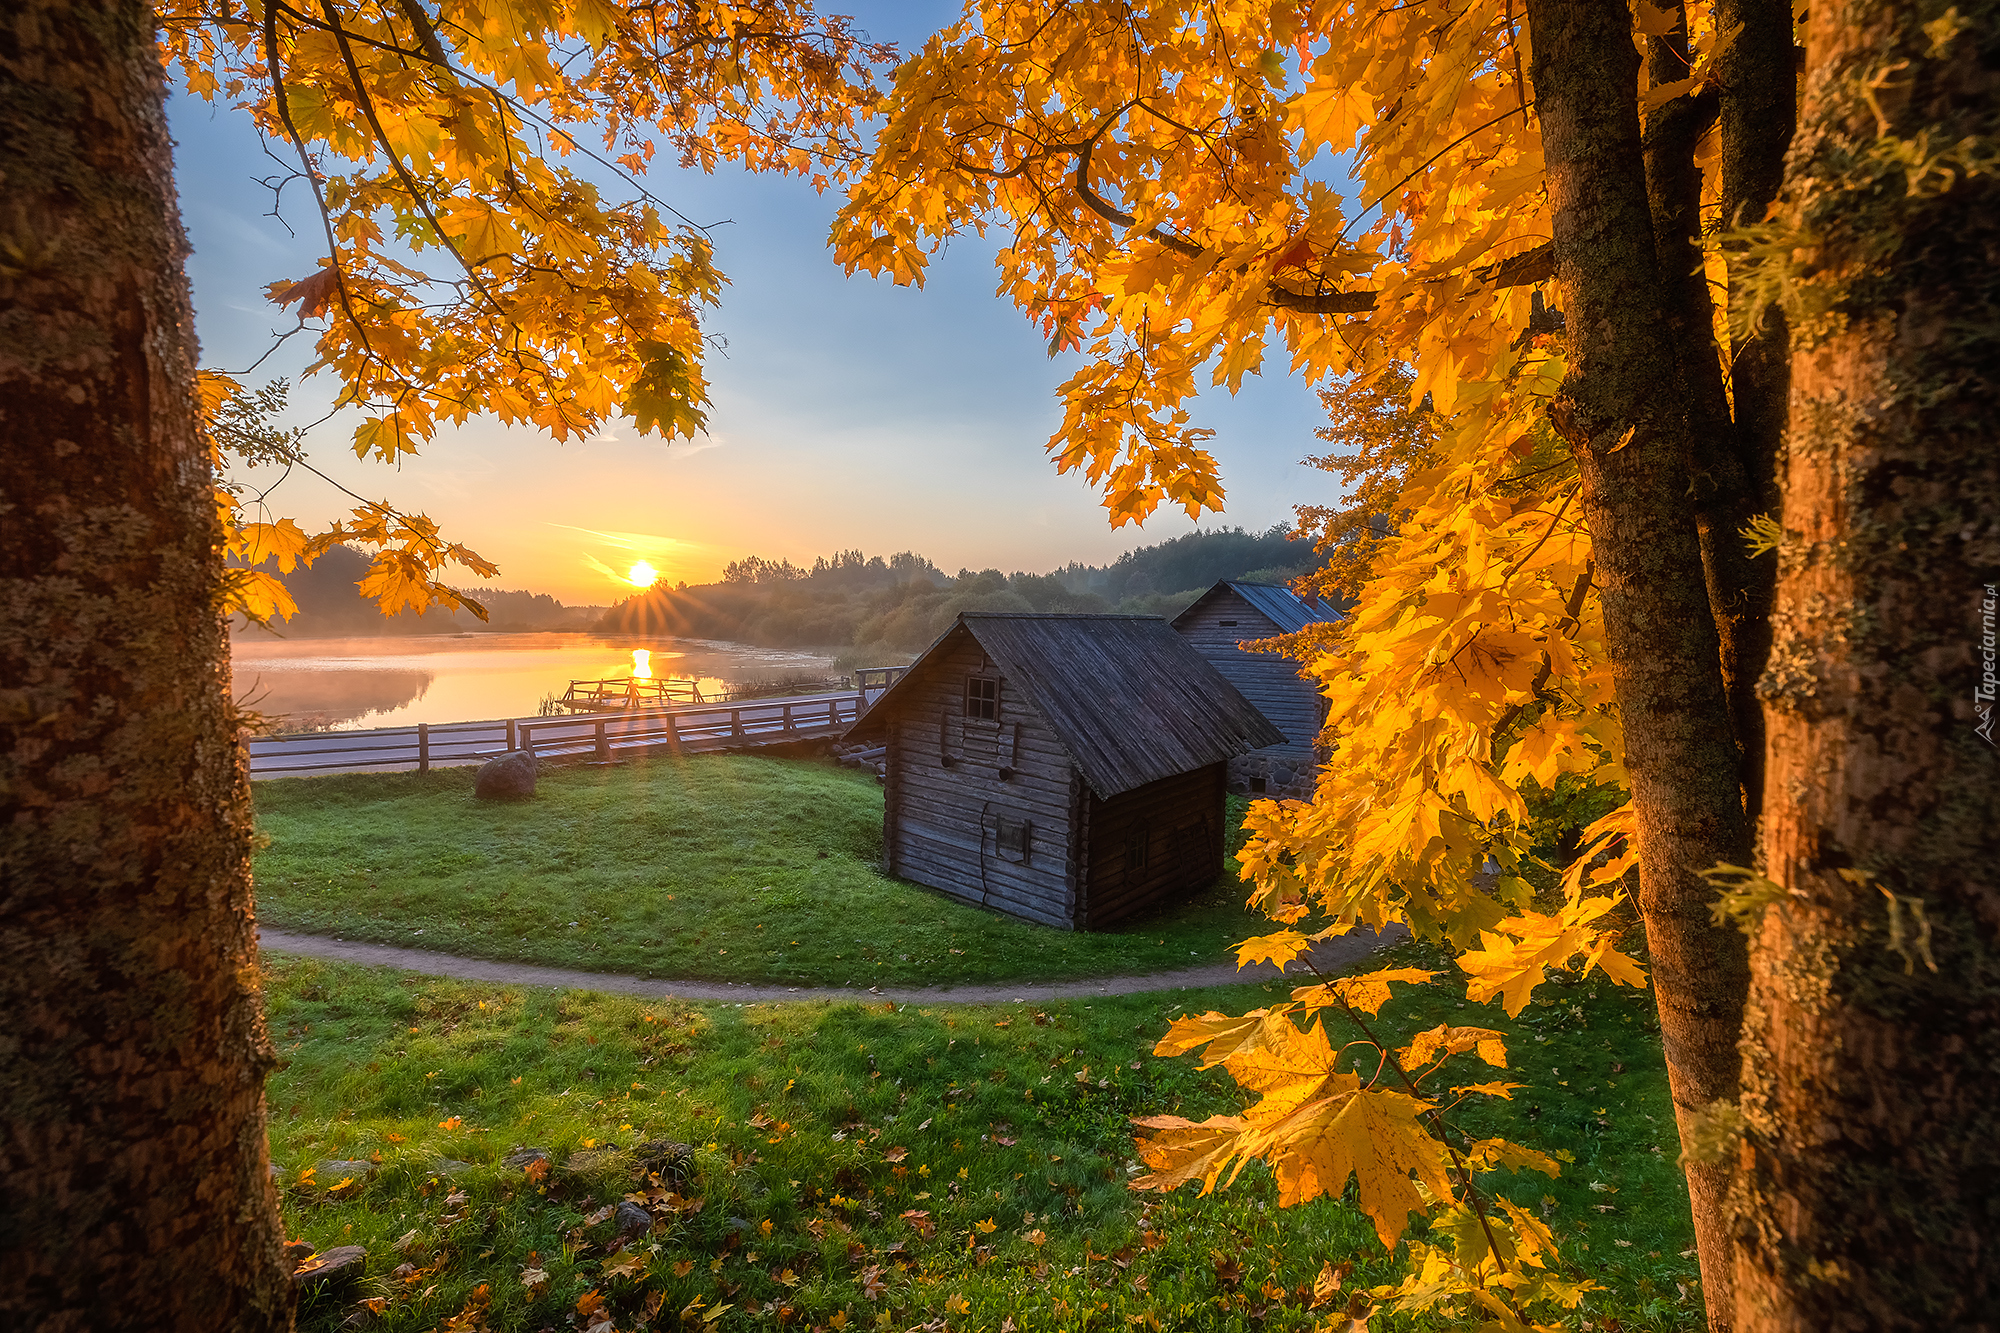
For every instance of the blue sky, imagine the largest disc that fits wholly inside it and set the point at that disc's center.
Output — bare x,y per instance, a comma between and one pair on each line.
846,412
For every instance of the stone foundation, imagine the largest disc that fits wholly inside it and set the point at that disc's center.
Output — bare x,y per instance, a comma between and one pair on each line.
1285,774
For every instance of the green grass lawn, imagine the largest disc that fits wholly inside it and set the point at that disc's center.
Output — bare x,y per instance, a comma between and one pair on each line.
724,867
867,1167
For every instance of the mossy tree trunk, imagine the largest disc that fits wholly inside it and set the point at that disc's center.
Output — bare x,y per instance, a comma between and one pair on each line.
1868,1194
1624,410
133,1161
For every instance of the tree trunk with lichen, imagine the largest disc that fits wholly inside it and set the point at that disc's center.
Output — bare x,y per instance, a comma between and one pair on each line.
1623,410
1868,1145
133,1158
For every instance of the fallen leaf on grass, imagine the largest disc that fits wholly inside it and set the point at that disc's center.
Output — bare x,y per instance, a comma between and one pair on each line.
632,1265
1328,1282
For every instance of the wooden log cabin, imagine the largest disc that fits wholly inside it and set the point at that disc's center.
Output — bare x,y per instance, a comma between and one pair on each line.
1234,612
1065,769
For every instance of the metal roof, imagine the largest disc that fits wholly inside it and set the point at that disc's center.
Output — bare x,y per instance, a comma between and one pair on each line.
1279,604
1129,699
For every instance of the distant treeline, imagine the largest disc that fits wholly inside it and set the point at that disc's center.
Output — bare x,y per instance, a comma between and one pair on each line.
882,608
331,606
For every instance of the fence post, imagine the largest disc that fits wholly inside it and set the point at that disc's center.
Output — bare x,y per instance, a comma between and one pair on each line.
603,744
423,747
513,741
788,719
527,740
674,732
736,722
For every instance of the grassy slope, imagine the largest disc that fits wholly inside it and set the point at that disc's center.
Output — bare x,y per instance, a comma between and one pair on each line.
674,868
378,1063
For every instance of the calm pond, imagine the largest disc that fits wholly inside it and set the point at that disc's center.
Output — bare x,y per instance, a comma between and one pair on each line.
345,684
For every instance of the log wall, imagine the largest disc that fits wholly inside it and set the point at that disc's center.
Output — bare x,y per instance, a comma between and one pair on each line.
953,825
1267,680
1151,845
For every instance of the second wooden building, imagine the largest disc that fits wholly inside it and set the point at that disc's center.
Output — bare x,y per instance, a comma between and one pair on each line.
1233,613
1064,769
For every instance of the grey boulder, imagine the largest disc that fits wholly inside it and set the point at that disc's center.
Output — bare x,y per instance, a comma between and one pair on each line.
507,777
632,1220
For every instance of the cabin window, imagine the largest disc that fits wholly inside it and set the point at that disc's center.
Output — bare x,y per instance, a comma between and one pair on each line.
1135,850
982,698
1011,838
1228,624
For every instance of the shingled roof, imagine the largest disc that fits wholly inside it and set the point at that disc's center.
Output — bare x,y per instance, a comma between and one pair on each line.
1287,610
1129,699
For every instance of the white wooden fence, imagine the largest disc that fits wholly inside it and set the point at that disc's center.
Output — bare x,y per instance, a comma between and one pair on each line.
693,728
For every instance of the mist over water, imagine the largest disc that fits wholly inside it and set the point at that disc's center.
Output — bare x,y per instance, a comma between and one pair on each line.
348,684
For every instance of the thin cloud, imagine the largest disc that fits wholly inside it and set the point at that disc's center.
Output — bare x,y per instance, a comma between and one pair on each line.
642,542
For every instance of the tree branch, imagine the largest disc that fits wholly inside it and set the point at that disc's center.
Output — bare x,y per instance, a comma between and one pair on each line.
279,95
396,159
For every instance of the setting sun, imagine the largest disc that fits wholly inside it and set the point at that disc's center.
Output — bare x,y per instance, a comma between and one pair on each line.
643,575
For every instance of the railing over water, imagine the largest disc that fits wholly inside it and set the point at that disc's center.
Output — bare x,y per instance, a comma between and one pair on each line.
692,728
628,693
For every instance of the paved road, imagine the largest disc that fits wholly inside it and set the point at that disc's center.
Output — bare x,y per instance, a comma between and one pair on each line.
1330,956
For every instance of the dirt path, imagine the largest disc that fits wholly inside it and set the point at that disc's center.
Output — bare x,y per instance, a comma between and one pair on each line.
1330,956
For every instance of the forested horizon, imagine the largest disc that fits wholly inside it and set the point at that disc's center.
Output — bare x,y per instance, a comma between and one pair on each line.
881,608
876,606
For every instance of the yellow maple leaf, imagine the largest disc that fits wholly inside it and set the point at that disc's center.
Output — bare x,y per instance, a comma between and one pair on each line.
1374,1137
1222,1034
1278,949
1500,1152
1501,1090
1367,992
1446,1040
1181,1150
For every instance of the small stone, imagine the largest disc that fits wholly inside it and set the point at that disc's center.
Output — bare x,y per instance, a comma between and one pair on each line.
673,1162
338,1264
632,1220
507,777
523,1158
448,1166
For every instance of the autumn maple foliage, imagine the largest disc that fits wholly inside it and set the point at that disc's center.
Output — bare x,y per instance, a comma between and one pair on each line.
470,267
1565,220
450,156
